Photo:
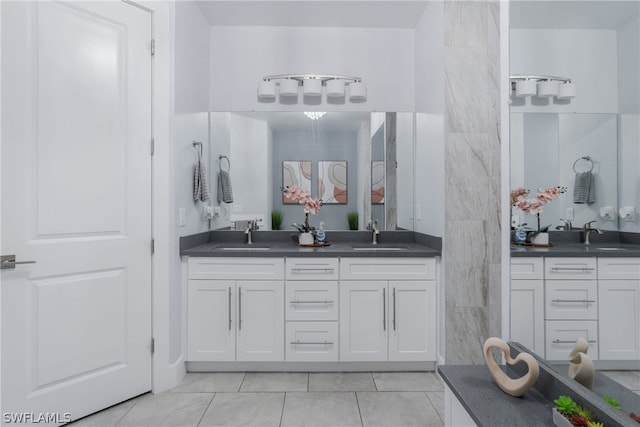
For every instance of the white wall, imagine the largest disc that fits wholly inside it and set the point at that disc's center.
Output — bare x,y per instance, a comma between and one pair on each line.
429,99
190,122
588,57
241,56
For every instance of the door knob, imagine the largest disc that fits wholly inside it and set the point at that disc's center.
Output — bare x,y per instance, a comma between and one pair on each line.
9,261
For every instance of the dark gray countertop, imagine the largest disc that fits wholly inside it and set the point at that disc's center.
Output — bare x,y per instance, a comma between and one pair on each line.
489,406
281,244
568,244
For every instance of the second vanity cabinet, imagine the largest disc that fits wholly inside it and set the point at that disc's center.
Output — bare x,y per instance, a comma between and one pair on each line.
387,309
596,298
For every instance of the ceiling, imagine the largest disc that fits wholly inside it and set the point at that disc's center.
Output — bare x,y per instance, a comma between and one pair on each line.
314,13
572,14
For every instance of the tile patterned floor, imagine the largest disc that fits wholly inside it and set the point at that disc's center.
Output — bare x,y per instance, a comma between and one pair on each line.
265,399
278,399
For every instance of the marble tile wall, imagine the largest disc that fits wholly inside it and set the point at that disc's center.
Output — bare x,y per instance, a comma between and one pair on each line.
472,184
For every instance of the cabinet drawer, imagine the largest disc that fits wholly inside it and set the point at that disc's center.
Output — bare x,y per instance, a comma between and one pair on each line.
311,300
562,335
527,268
242,268
312,341
571,300
619,268
387,268
570,268
312,268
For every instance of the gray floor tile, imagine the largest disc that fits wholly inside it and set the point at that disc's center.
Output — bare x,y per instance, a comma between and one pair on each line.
275,381
210,382
107,417
341,381
407,381
437,400
629,379
320,409
167,409
397,409
244,410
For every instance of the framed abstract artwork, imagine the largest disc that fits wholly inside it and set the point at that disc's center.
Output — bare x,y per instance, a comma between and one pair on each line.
298,173
377,181
332,181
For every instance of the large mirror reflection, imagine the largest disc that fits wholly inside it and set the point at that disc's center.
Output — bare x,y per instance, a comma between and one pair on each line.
597,45
358,163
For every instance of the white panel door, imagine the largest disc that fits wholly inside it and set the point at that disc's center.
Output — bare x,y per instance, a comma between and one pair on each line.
412,321
211,334
260,325
76,179
363,321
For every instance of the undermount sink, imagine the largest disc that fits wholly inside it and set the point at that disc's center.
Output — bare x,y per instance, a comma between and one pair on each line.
379,247
611,249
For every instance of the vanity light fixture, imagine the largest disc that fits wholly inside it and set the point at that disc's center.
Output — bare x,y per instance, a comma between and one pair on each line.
313,85
314,115
543,86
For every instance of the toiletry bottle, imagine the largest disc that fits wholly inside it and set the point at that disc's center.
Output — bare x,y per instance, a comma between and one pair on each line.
320,233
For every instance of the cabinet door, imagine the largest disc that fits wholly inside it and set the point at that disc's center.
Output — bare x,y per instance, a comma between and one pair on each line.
527,314
412,321
363,321
260,329
619,320
210,321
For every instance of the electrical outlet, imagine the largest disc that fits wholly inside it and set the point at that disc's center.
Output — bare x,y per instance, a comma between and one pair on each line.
569,214
182,217
515,221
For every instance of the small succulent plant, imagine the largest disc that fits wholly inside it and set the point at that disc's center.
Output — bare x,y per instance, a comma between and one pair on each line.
594,424
611,401
584,412
578,420
565,405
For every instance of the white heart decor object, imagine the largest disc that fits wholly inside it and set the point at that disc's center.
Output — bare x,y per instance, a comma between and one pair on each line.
512,386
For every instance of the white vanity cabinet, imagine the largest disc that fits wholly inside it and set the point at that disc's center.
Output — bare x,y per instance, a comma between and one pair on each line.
235,309
619,299
388,309
311,309
527,303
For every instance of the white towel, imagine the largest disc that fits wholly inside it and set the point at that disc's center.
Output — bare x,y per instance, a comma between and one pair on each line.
225,193
584,190
200,186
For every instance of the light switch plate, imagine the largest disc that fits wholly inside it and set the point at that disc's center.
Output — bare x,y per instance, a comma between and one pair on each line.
569,214
182,217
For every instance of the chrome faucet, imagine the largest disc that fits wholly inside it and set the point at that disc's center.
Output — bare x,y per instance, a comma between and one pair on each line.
587,231
251,225
568,226
375,232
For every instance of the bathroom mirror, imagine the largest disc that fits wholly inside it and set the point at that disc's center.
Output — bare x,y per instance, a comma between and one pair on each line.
348,159
597,45
550,149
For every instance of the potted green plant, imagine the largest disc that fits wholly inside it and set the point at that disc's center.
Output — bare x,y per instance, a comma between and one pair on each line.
352,218
276,220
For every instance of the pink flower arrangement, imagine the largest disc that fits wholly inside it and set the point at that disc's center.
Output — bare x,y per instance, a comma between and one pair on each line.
302,196
535,205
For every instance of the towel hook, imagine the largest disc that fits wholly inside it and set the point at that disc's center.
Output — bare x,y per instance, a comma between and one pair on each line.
199,145
220,158
585,158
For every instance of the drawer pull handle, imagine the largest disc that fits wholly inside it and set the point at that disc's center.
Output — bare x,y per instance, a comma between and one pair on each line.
312,302
569,341
583,269
583,301
325,342
319,270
